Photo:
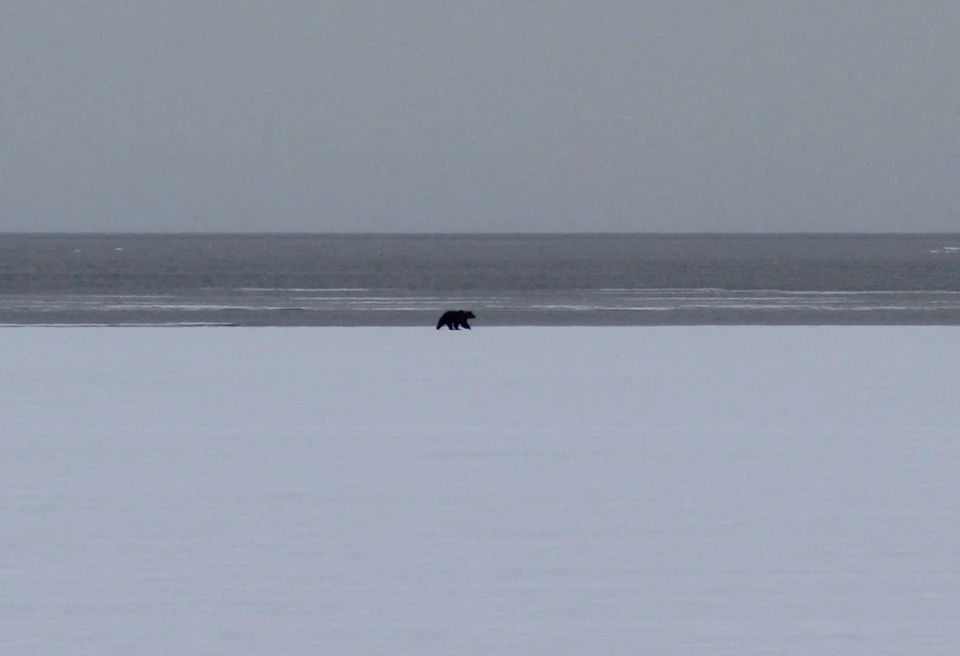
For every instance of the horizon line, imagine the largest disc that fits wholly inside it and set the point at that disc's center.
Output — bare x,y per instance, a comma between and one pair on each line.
518,233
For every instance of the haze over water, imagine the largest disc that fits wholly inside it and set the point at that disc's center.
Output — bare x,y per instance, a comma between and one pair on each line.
383,280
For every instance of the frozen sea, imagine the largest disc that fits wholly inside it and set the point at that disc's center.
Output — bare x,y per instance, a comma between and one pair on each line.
514,490
505,279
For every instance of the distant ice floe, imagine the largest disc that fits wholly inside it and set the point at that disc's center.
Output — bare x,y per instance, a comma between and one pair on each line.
560,308
946,249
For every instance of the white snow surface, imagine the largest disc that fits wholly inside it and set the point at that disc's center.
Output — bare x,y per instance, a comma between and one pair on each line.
705,490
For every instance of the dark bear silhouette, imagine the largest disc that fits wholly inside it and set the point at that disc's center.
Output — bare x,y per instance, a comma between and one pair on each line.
453,319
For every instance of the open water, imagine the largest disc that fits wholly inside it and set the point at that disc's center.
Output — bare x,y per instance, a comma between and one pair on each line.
383,280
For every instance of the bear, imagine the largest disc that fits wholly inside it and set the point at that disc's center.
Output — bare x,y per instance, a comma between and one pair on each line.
453,319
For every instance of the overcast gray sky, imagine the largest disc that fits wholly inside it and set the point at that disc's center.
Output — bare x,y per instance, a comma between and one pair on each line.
439,115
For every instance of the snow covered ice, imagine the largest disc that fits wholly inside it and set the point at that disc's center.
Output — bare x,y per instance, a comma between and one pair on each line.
707,490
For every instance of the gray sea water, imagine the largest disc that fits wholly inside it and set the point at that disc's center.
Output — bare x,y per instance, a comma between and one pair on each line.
394,280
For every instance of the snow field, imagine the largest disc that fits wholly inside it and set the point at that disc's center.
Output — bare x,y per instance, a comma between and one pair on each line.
512,491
